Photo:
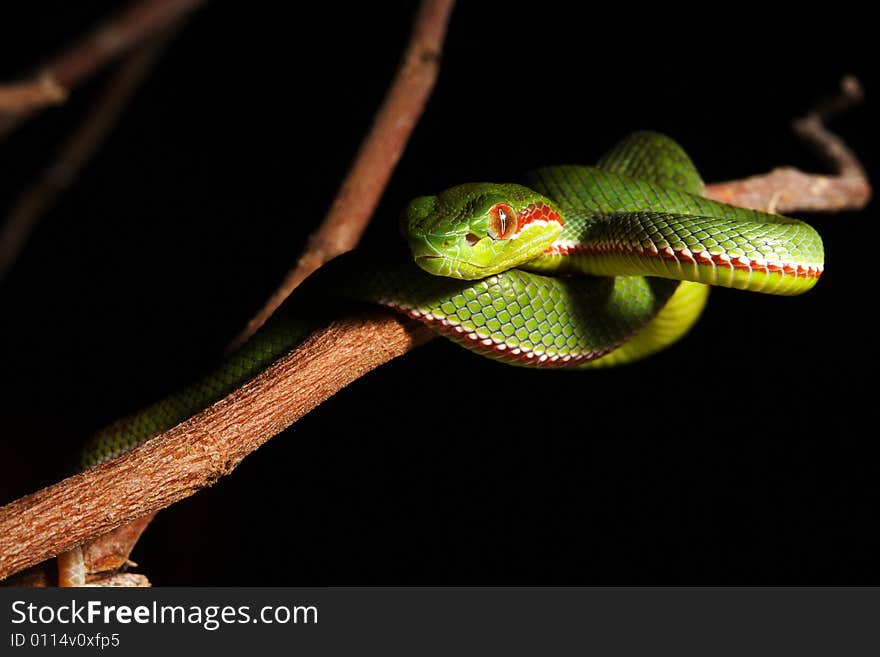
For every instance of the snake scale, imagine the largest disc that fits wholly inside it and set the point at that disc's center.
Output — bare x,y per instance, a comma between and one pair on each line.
576,267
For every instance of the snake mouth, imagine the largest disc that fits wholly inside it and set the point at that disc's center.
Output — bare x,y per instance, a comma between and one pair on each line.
454,261
440,265
445,255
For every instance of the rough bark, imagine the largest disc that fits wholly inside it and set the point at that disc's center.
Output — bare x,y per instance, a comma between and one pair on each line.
196,453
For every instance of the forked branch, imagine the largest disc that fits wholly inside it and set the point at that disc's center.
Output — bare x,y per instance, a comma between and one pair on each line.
787,189
133,25
77,150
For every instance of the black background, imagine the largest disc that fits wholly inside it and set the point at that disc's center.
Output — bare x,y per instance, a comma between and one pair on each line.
745,454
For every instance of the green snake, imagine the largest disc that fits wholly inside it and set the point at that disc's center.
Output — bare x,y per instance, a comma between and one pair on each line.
576,267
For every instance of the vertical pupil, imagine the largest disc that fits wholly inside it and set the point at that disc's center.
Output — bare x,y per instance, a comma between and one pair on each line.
502,218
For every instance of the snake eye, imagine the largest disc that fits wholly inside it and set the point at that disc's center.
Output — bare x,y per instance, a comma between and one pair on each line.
502,221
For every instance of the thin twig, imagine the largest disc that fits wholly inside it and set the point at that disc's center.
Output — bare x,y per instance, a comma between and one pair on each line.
129,28
787,189
76,152
379,153
32,95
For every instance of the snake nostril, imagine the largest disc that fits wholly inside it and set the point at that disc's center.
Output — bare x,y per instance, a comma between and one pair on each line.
471,239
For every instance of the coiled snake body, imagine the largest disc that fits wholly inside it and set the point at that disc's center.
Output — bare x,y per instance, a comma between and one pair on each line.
581,267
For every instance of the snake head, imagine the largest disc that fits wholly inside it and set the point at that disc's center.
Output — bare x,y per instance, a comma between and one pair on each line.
479,229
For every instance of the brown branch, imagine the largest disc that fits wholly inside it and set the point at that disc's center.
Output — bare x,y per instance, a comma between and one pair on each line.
77,151
787,189
209,445
114,37
30,96
378,155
